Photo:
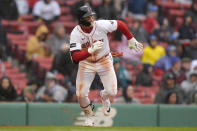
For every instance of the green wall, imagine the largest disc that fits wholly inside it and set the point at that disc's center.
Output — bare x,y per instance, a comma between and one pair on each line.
136,115
13,114
121,115
52,114
177,115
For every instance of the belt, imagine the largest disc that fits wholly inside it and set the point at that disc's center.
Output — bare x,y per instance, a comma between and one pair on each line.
100,58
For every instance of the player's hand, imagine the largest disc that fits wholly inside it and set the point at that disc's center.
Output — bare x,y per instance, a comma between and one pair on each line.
134,44
96,46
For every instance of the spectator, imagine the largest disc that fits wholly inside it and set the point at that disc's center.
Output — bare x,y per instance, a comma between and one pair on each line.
123,76
119,4
138,7
63,64
127,96
165,31
172,98
7,91
189,85
139,32
8,10
144,78
58,43
193,12
107,10
193,66
165,63
46,10
51,91
33,83
59,40
36,45
191,50
153,51
176,70
168,84
187,30
23,7
28,94
185,65
192,97
173,40
151,21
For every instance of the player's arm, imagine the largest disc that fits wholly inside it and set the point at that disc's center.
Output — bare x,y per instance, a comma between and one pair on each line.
132,42
78,55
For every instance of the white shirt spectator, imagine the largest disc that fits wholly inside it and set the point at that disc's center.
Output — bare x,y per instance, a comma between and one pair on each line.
46,11
23,7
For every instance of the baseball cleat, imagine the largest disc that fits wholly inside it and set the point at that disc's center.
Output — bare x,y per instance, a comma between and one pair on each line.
106,107
89,121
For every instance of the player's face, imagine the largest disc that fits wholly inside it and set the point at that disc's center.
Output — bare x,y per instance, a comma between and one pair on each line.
90,19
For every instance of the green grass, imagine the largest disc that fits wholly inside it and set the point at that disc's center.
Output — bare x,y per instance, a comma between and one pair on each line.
71,128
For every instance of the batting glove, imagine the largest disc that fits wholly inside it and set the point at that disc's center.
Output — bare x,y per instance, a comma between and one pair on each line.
134,44
96,46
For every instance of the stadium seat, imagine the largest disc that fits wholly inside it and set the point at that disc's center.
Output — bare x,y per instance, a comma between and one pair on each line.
65,10
27,18
176,12
70,2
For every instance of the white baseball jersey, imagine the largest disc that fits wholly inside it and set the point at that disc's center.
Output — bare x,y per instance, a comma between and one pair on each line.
80,40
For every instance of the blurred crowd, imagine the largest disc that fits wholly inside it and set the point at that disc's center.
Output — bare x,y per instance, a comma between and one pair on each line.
169,61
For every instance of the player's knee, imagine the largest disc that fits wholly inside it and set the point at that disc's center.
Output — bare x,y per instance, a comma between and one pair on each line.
112,93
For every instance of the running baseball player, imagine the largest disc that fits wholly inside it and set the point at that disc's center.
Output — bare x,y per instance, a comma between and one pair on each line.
89,46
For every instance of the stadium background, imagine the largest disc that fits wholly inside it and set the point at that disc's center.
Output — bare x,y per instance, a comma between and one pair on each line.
165,74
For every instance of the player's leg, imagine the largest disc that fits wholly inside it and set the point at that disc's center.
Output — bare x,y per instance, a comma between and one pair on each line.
83,83
109,80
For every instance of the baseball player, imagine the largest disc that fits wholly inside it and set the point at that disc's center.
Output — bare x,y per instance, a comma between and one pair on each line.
89,46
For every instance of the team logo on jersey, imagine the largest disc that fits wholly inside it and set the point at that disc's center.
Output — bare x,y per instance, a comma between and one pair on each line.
85,45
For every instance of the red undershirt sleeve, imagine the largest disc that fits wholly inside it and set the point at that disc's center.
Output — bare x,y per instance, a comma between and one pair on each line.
80,55
124,29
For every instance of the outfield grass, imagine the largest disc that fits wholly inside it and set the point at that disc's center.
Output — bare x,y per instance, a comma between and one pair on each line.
71,128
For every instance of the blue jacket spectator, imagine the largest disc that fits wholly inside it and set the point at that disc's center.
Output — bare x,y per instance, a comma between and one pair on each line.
176,70
165,63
